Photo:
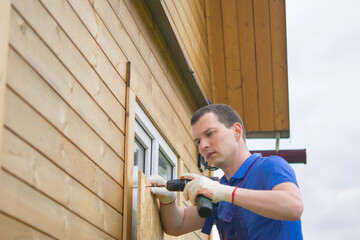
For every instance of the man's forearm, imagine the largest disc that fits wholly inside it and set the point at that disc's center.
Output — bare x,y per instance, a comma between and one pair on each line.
177,221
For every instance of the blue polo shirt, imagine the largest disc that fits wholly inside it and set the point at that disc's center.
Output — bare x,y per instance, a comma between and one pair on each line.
234,222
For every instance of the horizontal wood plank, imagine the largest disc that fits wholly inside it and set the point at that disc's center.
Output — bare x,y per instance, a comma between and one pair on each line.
97,45
33,168
24,202
195,59
147,55
48,66
191,30
165,114
60,44
199,17
21,119
13,229
25,82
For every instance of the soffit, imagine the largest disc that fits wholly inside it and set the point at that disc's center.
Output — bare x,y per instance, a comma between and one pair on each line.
248,61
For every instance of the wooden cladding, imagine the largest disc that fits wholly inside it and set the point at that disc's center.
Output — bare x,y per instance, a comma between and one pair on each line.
62,172
187,19
248,61
69,112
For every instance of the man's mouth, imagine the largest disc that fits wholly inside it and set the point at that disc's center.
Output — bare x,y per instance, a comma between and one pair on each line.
209,155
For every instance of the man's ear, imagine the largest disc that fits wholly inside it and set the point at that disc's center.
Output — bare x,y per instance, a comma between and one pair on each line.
238,130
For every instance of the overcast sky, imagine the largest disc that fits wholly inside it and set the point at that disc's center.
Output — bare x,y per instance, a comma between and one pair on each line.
323,44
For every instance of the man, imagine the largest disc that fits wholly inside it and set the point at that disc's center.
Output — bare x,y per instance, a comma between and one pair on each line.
257,198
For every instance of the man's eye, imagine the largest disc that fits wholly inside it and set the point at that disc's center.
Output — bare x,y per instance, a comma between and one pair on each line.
209,134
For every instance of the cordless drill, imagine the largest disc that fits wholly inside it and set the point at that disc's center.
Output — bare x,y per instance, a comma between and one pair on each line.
204,206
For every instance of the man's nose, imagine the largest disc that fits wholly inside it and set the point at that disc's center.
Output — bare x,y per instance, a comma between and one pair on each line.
204,143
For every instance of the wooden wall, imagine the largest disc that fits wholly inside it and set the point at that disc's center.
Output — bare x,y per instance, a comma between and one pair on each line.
189,23
69,101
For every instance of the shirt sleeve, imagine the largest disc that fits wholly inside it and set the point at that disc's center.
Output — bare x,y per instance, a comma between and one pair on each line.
276,170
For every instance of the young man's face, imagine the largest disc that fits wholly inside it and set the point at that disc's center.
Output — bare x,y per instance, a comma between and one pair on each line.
216,143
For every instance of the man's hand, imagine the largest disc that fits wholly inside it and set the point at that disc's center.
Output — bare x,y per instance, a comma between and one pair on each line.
215,191
165,196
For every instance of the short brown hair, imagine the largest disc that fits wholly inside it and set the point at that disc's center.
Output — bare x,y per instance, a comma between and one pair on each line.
225,114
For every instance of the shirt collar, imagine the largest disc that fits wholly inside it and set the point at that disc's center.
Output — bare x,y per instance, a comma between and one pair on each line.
240,173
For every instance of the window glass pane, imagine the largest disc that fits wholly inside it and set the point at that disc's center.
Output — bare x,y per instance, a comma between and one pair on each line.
165,169
139,160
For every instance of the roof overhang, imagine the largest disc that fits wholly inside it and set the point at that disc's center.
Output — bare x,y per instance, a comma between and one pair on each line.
158,13
248,61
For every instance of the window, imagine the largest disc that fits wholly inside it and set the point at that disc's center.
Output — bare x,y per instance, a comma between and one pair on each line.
152,155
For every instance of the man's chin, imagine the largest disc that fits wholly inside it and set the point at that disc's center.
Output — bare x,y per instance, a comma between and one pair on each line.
213,162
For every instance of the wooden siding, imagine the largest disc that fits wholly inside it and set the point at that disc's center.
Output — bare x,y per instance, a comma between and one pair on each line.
248,62
188,22
67,149
4,46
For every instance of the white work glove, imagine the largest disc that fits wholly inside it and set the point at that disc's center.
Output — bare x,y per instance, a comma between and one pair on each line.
164,195
215,191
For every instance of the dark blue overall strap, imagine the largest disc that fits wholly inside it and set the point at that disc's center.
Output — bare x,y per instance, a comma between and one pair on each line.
241,184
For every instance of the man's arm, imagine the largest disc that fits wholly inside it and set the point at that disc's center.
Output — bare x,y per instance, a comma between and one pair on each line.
177,221
283,202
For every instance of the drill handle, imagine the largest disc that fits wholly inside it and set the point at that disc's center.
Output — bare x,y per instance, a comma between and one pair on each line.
204,206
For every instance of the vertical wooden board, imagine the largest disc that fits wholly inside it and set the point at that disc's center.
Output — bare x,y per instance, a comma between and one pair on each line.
263,59
35,209
55,110
60,44
52,144
216,51
33,168
248,65
279,64
13,229
4,45
232,55
24,41
149,223
129,160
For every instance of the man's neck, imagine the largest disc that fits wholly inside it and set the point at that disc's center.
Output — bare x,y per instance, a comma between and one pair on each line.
231,169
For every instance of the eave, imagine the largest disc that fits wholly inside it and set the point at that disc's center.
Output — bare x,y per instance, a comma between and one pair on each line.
248,61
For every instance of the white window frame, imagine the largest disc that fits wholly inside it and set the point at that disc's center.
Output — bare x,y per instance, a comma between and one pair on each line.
143,125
